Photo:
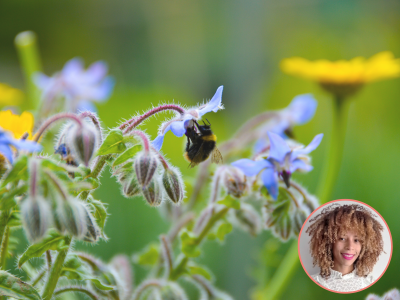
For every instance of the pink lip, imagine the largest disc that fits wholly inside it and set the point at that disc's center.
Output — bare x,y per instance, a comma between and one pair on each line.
348,256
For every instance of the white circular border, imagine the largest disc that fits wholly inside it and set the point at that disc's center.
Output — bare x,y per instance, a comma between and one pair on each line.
307,260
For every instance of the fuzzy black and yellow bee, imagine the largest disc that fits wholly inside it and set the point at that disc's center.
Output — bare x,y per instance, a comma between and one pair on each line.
200,144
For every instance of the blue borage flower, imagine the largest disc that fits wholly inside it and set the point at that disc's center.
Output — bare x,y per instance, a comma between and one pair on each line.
298,112
6,141
79,86
178,125
282,161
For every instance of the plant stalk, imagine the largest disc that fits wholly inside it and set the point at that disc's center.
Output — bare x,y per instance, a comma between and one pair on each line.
55,272
290,262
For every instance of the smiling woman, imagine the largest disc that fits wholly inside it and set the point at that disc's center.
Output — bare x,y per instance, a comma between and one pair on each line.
346,242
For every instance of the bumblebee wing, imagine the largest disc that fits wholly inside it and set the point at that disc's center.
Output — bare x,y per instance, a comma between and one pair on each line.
197,157
216,156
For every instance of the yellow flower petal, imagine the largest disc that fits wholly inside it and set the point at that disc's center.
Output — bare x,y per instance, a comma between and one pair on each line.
356,71
9,95
15,124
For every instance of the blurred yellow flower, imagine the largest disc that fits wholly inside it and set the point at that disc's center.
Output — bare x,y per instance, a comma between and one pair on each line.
15,124
10,95
344,77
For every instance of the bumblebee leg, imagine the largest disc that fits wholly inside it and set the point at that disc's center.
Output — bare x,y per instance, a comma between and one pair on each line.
187,144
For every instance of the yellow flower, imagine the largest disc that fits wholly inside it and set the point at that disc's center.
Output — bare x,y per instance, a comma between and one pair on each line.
9,95
15,124
344,77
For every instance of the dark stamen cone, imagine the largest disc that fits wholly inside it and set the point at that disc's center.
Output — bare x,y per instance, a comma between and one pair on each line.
145,167
173,184
286,178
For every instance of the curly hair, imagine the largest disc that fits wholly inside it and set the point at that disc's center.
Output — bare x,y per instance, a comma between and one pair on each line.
338,219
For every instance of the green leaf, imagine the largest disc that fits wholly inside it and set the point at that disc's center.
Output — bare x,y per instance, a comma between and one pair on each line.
53,241
7,200
12,286
129,153
149,256
189,244
197,270
113,143
14,220
99,211
223,230
47,163
230,202
74,274
18,172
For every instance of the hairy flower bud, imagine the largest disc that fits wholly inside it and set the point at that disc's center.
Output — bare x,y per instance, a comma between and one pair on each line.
299,217
145,167
153,193
173,184
93,231
247,219
130,187
82,141
234,181
36,217
73,217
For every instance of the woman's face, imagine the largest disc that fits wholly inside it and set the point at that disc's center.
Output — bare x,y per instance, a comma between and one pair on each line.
346,249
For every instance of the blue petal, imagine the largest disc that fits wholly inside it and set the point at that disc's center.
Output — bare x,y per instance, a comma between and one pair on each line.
41,80
300,164
104,89
311,147
250,167
86,106
72,68
26,145
279,148
178,128
303,108
97,71
270,180
157,143
214,103
6,151
260,145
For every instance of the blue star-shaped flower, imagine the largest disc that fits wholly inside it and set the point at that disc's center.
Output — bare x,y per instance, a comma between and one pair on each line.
298,112
282,161
178,126
6,141
80,87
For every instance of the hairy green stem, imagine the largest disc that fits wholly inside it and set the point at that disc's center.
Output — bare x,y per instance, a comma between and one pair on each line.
4,216
78,289
55,272
330,173
4,248
179,270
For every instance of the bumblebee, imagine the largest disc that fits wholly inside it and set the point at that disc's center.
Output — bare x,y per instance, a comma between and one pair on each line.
200,144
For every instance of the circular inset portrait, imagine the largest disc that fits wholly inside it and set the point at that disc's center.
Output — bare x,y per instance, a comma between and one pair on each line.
345,246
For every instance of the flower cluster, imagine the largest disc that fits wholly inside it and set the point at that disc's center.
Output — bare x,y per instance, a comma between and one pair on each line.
78,86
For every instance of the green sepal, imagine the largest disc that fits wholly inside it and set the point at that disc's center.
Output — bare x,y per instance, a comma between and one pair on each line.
113,143
149,256
99,212
223,230
189,244
229,201
18,172
11,286
128,154
53,241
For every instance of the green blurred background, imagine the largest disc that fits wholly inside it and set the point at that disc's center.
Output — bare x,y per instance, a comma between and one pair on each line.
159,51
